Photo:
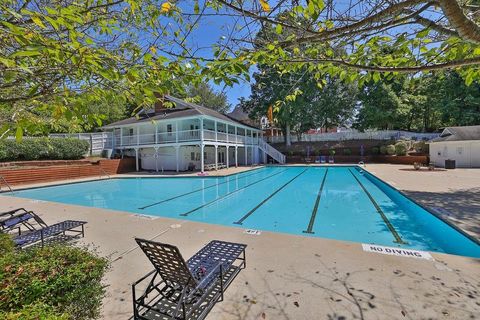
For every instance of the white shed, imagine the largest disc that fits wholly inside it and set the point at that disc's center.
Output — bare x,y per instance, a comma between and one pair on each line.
461,144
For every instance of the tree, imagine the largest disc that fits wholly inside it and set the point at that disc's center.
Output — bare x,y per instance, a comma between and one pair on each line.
205,95
423,103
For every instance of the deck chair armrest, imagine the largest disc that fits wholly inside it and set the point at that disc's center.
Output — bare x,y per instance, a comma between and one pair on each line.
207,277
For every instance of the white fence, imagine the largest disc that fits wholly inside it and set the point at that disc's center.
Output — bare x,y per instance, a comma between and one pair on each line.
354,135
98,140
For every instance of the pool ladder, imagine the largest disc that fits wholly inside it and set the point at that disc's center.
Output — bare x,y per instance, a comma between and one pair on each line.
2,179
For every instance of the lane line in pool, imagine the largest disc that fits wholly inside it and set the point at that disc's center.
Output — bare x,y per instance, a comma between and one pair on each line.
197,190
268,198
390,227
230,193
315,208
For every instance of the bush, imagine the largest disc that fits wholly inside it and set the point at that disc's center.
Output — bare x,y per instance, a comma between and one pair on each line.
42,149
347,152
331,151
419,146
375,150
6,244
383,149
400,149
35,312
66,279
390,149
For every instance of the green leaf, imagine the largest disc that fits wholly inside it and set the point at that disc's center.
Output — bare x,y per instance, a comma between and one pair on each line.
279,29
19,133
38,22
26,53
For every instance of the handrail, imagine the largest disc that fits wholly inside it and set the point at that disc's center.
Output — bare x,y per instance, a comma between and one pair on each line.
105,173
6,183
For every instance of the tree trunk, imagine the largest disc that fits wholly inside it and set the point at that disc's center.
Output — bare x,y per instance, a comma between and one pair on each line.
288,140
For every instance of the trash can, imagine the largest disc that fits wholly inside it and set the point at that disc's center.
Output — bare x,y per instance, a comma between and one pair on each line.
449,164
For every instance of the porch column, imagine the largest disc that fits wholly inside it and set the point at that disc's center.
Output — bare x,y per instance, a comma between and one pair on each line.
227,160
136,159
226,129
156,133
201,132
236,154
216,132
121,136
177,151
156,159
202,163
216,155
138,136
176,131
246,154
236,138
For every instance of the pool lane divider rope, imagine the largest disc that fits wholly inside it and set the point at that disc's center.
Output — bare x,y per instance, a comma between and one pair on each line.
315,208
194,191
230,193
394,232
268,198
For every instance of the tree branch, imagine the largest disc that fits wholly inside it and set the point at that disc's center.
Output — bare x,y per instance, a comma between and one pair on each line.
466,28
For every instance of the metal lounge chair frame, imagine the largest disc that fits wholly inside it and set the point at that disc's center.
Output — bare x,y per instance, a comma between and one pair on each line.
179,289
41,235
16,218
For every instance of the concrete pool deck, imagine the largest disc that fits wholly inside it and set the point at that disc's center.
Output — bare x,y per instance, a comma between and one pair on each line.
296,277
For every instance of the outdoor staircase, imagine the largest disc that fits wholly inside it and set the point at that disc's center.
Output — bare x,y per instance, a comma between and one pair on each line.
272,152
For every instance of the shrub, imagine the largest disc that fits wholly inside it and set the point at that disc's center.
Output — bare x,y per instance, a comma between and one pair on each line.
419,146
35,312
375,150
390,149
43,148
6,244
68,279
347,152
400,149
331,151
383,149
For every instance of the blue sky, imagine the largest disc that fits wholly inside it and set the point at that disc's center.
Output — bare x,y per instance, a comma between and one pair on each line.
209,32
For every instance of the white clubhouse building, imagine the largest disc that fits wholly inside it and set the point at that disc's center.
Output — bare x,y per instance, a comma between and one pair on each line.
188,136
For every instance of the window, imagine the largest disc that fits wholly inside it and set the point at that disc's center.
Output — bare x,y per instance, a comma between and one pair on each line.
169,129
130,132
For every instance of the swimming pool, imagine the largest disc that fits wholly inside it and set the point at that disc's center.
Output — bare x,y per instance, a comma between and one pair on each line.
343,203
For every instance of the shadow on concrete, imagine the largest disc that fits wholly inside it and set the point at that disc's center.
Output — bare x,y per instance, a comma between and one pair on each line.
326,293
461,207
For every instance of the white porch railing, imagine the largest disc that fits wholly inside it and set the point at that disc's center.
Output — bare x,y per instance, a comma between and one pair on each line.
183,136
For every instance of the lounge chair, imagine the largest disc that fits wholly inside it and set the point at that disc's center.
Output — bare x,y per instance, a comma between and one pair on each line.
17,218
179,289
331,160
37,229
322,159
48,232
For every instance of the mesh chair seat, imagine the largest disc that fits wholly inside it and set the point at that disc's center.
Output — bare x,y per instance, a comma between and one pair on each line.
47,232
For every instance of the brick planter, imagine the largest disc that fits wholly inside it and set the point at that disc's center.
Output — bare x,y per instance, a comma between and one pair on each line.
72,170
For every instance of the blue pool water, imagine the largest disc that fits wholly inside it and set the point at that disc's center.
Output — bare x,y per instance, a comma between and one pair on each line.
343,203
